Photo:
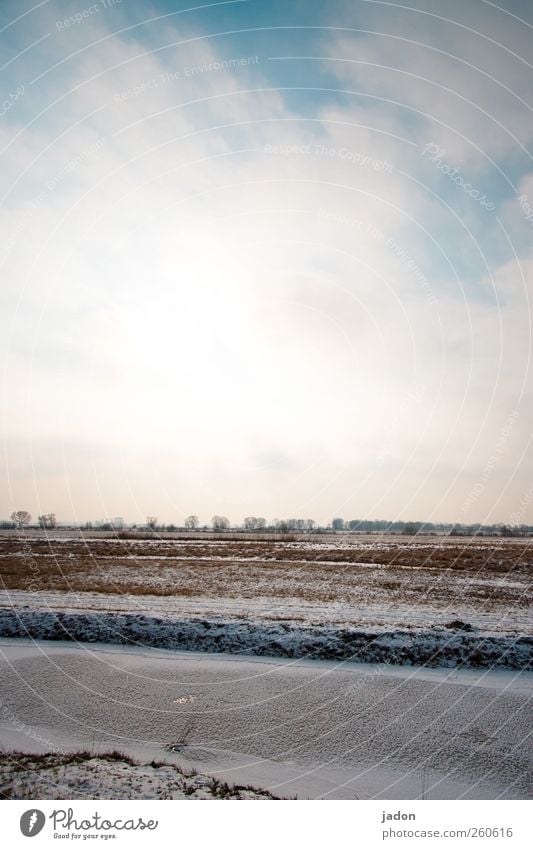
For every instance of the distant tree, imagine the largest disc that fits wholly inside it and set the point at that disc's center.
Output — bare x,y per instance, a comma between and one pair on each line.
47,520
337,524
21,518
191,522
310,524
220,523
151,521
254,523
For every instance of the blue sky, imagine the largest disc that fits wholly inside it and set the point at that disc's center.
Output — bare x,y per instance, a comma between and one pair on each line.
267,257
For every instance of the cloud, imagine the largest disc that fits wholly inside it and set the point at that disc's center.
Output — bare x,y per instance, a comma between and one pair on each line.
459,78
219,299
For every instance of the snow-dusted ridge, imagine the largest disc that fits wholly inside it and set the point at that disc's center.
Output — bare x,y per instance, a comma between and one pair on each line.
439,646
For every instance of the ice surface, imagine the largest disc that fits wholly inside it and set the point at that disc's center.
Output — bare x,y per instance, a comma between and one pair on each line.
306,728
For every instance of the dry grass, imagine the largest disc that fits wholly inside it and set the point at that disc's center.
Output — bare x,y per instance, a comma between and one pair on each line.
315,570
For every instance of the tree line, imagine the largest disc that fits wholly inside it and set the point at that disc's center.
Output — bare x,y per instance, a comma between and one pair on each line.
21,519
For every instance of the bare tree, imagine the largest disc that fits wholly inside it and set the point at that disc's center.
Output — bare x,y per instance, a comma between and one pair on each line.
254,523
220,523
191,522
21,518
337,524
151,521
47,520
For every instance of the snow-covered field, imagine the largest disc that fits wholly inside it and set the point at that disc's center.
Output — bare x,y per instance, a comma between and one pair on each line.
305,728
429,600
323,667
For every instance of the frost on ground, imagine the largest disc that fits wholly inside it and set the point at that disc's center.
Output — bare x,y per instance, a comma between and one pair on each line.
111,775
287,711
430,600
455,645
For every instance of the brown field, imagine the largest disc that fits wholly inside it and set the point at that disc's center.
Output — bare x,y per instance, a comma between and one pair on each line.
344,574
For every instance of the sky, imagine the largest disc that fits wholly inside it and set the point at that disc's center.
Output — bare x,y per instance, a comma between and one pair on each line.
266,258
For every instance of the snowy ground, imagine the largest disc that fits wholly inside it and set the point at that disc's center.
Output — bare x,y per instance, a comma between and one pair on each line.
111,776
511,618
428,600
306,728
382,581
245,660
451,645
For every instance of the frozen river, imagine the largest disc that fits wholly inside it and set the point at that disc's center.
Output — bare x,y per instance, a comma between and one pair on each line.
296,727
